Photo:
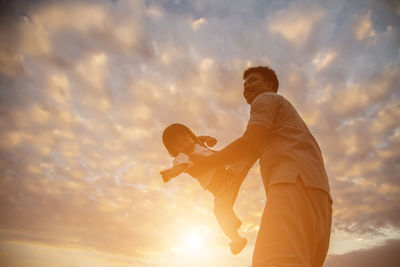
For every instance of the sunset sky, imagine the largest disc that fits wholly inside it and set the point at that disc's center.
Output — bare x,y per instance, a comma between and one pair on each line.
87,87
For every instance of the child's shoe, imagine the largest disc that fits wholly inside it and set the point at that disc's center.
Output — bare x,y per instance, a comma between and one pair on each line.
237,245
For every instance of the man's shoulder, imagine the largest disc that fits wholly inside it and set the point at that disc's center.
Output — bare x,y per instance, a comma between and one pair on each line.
266,99
269,96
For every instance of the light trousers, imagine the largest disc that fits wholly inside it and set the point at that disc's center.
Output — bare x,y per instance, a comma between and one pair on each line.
295,227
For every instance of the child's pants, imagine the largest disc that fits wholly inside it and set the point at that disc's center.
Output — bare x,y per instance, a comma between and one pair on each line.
223,210
224,200
225,188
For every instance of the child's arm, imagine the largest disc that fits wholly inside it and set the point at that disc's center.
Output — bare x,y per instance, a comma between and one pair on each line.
174,171
210,141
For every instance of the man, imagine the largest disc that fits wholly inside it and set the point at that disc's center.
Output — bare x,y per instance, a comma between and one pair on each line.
296,222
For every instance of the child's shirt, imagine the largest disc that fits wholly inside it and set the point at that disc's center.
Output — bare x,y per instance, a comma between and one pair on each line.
182,158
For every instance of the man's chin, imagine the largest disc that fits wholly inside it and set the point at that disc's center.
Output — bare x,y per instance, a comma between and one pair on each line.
249,100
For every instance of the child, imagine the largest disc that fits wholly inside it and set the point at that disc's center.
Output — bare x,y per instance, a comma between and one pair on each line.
223,182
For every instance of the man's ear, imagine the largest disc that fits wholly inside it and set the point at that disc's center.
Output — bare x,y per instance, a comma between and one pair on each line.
268,86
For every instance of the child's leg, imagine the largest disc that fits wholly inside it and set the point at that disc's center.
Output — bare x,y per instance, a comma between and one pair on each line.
230,224
237,245
226,218
224,199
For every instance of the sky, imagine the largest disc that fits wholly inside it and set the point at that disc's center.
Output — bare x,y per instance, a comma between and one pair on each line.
87,88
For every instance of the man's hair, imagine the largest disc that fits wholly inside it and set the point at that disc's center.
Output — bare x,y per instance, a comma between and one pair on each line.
267,73
171,132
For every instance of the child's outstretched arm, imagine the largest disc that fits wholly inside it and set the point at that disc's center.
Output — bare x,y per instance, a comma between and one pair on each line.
174,171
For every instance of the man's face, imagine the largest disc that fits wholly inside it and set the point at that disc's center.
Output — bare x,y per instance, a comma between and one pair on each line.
254,85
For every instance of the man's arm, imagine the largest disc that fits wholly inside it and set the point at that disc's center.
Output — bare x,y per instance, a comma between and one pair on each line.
246,145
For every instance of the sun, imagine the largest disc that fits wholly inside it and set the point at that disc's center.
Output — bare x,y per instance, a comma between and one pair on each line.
194,238
193,247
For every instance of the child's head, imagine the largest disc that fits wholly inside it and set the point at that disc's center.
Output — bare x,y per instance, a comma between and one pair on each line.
178,138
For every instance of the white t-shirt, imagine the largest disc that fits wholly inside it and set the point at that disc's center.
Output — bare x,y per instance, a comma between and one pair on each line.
182,158
290,149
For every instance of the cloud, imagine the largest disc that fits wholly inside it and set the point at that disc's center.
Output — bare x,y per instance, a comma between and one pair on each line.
363,27
197,23
324,59
28,253
86,89
295,24
154,11
383,255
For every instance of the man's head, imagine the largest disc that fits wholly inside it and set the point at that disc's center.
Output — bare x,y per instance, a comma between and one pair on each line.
258,80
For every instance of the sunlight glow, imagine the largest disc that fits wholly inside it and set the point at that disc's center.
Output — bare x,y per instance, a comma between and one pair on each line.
194,239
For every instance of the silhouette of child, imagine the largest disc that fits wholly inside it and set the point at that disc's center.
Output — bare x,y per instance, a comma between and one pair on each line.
223,182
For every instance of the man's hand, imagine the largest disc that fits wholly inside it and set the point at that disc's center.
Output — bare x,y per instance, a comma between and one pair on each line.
247,146
201,164
210,141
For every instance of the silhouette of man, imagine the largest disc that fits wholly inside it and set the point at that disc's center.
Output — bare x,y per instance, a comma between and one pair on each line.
296,222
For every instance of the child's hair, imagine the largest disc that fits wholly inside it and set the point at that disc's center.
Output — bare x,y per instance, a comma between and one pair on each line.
169,136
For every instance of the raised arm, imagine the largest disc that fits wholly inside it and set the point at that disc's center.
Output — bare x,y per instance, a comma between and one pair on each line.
205,139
